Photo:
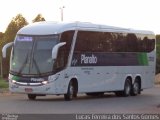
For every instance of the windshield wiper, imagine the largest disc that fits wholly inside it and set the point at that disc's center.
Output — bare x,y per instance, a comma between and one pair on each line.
24,64
37,67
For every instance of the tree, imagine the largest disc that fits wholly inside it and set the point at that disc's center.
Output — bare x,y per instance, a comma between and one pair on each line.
158,53
1,38
16,23
157,37
38,18
1,35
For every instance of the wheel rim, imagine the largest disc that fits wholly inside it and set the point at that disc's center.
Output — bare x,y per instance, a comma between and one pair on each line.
136,88
71,90
128,88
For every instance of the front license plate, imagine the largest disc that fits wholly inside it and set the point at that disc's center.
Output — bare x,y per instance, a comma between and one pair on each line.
29,90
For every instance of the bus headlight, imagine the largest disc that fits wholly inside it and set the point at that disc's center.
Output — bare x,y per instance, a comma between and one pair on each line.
45,82
13,81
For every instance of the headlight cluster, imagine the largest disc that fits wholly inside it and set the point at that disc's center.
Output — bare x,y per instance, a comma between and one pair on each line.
45,82
13,81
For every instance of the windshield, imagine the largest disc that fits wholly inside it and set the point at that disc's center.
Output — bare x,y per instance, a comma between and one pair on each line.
33,54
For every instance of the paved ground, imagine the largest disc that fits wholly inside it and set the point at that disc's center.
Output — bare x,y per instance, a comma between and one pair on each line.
147,102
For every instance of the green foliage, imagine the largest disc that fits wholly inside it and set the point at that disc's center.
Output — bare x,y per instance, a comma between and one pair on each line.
157,37
3,83
1,35
16,23
1,38
38,18
158,53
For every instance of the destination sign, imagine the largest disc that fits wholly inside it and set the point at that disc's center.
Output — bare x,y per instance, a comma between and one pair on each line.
24,38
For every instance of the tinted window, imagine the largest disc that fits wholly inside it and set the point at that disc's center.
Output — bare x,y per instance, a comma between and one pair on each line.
88,41
64,51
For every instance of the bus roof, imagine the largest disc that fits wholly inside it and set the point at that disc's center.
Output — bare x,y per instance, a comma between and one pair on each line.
47,28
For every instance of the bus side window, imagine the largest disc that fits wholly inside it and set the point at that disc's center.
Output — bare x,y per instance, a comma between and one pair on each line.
60,61
63,53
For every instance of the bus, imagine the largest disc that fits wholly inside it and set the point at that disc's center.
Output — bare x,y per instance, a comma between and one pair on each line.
60,58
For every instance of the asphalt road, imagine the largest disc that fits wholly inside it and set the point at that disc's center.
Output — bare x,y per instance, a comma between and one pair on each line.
147,102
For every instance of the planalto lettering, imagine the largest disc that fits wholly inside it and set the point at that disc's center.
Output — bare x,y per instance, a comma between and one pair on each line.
88,59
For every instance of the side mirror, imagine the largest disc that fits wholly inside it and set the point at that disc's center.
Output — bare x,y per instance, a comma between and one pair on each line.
4,49
55,49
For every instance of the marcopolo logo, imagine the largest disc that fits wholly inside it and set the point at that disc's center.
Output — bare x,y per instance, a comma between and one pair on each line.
88,59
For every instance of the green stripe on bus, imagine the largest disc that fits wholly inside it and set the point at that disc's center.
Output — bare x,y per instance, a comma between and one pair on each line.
15,78
142,58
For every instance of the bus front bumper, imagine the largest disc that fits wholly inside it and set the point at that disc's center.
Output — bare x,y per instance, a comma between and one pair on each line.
48,88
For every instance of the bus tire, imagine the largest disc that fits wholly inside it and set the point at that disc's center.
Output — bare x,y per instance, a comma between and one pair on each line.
135,88
32,96
127,88
70,92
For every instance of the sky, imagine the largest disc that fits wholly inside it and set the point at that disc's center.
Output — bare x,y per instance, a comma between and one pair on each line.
135,14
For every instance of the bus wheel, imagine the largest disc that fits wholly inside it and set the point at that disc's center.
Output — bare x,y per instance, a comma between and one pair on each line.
135,88
31,96
70,93
127,88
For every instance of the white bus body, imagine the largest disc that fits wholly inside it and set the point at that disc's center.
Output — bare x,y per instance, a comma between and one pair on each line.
69,58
